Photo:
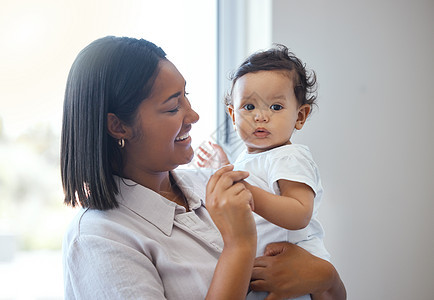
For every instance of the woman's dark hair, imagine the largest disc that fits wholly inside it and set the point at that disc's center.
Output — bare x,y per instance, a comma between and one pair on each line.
279,58
111,75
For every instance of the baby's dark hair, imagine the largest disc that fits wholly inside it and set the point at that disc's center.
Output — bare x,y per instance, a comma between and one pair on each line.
281,59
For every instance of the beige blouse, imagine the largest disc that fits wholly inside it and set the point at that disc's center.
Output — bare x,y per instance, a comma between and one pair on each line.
148,248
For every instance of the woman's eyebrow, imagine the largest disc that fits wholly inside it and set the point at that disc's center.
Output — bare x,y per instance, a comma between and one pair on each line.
176,95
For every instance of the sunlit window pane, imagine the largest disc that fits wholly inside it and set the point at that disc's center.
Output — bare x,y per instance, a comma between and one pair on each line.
38,43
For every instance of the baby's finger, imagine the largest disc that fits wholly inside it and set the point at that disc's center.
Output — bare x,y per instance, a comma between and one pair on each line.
215,146
204,151
201,158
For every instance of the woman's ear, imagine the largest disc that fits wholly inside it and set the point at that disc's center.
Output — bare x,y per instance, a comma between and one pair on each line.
116,128
303,112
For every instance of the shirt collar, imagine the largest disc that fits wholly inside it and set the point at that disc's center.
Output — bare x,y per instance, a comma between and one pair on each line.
153,207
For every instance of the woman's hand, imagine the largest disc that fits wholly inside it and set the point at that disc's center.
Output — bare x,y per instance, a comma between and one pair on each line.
289,271
213,158
230,206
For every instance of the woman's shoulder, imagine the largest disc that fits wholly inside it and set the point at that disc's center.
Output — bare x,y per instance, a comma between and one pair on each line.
88,222
112,224
96,230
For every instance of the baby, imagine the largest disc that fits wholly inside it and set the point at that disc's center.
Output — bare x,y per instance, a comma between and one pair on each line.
271,96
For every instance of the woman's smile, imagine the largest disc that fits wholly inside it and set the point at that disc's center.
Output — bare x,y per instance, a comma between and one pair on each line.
183,138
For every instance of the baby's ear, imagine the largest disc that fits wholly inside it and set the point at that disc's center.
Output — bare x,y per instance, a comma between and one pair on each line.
231,113
303,112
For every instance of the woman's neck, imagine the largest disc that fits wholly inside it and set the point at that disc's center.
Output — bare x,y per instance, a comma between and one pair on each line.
162,183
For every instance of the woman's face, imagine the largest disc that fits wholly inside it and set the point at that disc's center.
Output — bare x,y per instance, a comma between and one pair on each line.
161,139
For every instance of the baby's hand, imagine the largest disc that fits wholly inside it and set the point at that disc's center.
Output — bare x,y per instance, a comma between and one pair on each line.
213,157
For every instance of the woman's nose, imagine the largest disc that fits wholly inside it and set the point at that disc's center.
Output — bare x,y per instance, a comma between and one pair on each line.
192,116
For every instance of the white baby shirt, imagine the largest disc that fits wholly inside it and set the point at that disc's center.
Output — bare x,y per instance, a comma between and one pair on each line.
294,163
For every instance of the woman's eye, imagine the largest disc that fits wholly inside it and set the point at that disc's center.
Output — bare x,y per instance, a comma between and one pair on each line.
174,110
186,94
249,107
276,107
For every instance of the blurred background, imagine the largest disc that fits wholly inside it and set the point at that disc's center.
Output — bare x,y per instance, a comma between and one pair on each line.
372,135
38,42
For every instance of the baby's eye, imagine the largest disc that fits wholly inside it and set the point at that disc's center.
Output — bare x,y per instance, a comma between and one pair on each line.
249,107
276,107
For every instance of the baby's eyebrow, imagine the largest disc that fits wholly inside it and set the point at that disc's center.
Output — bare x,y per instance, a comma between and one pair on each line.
279,97
251,96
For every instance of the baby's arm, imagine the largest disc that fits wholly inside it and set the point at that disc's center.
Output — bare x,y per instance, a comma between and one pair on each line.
291,210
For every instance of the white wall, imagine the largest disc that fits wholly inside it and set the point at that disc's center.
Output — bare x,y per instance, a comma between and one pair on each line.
372,136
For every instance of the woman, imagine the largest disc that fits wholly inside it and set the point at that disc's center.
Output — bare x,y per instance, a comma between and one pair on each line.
143,231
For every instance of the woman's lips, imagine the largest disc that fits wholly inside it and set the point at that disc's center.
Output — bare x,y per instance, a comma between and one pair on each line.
182,138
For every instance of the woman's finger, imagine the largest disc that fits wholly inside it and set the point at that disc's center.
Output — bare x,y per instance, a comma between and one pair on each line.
261,262
272,296
258,285
216,177
257,273
237,188
273,249
224,178
235,197
246,195
229,178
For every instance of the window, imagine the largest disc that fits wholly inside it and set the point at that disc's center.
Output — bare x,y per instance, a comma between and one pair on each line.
244,26
39,41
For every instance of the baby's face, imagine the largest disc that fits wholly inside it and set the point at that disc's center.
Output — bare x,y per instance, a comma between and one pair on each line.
265,110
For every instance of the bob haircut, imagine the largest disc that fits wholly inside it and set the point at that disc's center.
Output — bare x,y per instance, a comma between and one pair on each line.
279,58
110,75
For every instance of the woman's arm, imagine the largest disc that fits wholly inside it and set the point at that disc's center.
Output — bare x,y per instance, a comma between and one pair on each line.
292,209
288,271
230,206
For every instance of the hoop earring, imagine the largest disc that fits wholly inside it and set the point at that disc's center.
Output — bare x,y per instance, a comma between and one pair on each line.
121,143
